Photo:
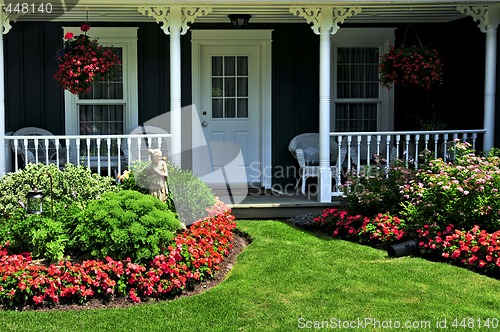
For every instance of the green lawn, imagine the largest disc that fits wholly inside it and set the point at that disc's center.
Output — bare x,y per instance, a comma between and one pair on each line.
289,277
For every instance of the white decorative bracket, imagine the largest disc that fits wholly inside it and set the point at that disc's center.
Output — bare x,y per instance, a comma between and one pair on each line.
477,13
164,16
325,17
7,19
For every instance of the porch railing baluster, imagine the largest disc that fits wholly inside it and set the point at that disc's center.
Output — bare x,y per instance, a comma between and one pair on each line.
358,161
129,152
407,152
67,151
87,141
398,139
368,147
119,148
349,153
108,141
417,140
436,140
98,143
46,141
36,150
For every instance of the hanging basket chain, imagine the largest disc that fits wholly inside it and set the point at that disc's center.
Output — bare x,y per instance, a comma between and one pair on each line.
415,65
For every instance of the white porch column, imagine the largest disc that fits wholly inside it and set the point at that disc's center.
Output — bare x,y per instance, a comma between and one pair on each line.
5,21
3,151
175,84
174,21
488,19
325,21
325,175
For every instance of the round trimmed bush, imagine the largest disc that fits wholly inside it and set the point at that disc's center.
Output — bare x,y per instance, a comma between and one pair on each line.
125,224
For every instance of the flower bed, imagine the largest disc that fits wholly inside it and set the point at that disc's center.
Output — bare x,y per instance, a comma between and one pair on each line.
475,249
193,255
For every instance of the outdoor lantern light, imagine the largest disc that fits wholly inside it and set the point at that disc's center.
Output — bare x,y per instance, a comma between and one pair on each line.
239,20
35,198
35,201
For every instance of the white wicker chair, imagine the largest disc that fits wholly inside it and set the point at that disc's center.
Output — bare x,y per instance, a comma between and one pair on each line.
34,154
305,148
142,154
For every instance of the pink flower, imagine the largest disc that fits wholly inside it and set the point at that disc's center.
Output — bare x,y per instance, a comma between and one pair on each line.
68,35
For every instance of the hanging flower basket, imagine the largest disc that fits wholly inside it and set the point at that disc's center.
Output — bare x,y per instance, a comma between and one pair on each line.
83,61
411,66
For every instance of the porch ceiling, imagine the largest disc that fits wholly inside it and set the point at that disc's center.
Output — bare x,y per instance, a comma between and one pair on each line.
375,11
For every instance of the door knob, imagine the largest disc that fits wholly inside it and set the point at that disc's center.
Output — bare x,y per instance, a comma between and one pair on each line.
204,123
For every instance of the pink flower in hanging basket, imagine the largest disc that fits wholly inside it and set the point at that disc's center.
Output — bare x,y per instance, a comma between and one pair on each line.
411,66
83,61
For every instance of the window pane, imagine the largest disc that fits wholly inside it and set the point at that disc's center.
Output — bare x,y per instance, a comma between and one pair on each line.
229,84
357,72
242,108
216,66
230,111
229,66
217,88
356,117
242,66
242,87
217,108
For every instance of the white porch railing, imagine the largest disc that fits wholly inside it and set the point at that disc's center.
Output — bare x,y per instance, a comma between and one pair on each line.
364,147
103,153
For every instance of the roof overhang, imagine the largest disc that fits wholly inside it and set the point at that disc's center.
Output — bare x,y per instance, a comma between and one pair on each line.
373,11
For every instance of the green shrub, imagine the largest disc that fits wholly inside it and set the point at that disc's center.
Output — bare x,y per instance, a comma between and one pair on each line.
376,190
72,184
190,195
43,236
465,193
124,224
135,177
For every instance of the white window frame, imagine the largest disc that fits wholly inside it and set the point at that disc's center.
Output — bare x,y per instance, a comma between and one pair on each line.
381,38
126,38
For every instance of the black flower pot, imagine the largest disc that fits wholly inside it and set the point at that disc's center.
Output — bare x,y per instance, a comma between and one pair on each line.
403,248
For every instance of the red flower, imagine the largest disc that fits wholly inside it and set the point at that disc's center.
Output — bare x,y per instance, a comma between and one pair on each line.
68,35
85,27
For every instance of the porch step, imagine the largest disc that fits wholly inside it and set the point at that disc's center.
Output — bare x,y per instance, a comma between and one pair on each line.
278,206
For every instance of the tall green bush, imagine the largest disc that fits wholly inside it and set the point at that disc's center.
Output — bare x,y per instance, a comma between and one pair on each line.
190,195
124,224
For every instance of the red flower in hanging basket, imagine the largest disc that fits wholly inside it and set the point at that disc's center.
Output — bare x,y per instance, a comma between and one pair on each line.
411,66
83,61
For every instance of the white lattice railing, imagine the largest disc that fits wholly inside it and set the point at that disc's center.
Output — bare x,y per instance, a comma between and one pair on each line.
364,147
109,154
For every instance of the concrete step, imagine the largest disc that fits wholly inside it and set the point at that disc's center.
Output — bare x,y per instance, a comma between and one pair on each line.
272,206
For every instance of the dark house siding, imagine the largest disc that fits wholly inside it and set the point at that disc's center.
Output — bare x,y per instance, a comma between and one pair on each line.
34,99
32,95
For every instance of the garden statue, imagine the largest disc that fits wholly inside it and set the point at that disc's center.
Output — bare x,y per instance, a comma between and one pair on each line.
157,175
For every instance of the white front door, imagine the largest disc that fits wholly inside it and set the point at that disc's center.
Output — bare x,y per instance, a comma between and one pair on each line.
230,111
